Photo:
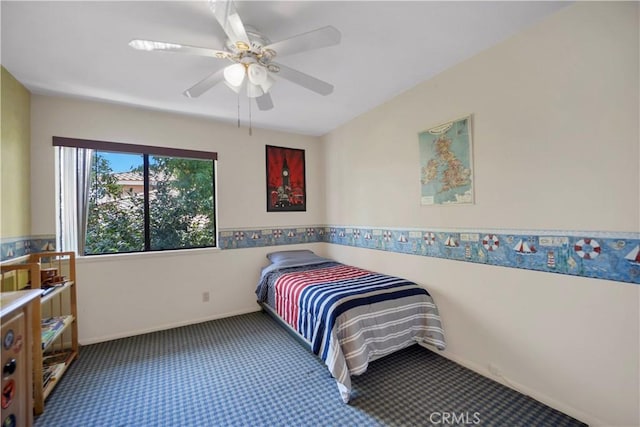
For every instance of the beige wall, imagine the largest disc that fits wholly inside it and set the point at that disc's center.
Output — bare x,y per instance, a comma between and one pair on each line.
123,295
556,146
241,166
15,211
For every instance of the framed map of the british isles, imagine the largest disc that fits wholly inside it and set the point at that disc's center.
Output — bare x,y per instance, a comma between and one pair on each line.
446,163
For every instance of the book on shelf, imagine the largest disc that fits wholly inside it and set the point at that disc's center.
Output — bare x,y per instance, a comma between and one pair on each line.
51,372
52,365
51,326
55,358
49,287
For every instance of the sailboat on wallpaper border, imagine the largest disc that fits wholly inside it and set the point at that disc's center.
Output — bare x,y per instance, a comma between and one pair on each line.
634,256
523,248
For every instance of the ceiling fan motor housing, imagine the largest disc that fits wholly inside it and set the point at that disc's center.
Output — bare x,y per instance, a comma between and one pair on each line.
255,53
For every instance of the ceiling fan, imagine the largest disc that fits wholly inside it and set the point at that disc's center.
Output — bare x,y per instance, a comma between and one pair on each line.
252,56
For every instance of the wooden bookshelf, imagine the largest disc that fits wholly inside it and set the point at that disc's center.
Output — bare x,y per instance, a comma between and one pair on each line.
61,305
55,326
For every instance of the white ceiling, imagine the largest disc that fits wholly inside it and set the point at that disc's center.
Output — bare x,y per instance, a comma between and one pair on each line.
79,49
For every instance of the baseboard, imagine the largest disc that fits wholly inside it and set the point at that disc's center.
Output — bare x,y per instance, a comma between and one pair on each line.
521,388
166,326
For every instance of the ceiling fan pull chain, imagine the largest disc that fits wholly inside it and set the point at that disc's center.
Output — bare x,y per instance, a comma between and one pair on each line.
252,70
238,110
250,127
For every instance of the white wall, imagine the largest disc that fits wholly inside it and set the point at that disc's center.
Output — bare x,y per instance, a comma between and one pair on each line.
556,145
128,294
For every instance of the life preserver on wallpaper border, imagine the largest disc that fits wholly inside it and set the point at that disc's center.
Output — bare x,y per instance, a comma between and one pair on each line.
491,242
587,248
429,238
603,255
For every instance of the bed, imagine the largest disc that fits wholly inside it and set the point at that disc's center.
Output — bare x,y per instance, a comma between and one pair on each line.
346,315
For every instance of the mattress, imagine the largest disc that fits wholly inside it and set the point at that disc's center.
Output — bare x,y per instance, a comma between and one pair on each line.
349,316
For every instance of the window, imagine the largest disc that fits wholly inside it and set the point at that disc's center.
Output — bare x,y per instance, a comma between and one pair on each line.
139,198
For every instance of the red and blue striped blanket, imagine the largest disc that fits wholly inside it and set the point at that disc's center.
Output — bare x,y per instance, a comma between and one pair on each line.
352,316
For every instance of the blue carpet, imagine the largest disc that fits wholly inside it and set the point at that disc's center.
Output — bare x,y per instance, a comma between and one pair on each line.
248,371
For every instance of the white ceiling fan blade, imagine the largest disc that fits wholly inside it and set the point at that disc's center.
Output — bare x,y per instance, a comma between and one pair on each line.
227,16
304,80
322,37
205,84
264,102
151,45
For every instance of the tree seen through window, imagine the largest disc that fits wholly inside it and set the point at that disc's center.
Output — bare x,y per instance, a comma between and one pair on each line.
167,205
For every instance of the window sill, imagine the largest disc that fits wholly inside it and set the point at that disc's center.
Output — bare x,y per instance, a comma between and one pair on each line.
142,255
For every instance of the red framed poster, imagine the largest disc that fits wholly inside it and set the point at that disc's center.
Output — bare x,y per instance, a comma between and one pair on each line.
286,187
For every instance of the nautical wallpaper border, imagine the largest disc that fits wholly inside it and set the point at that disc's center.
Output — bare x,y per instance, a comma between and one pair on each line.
15,247
595,254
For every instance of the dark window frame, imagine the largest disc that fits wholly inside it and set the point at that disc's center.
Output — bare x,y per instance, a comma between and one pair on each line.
146,151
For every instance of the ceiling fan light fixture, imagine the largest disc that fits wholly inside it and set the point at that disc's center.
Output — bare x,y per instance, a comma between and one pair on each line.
266,86
236,89
253,90
251,55
257,74
234,75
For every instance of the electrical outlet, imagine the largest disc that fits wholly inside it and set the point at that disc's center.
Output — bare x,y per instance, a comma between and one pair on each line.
205,297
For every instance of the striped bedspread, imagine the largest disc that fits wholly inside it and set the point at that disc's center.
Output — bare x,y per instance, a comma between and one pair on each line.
352,316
